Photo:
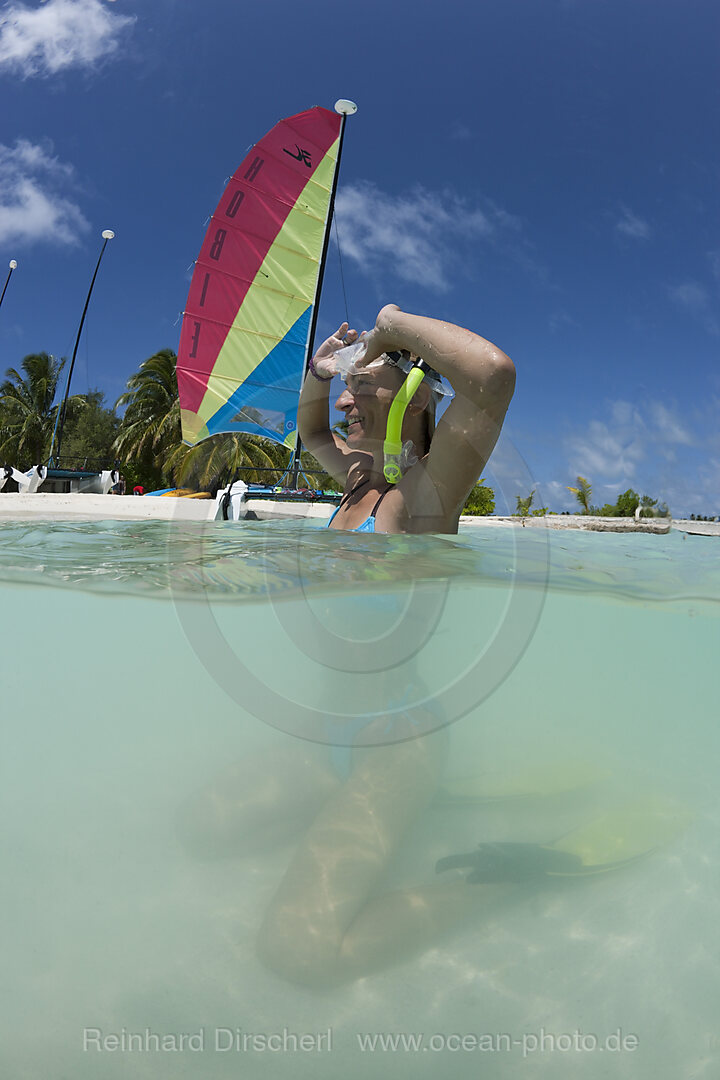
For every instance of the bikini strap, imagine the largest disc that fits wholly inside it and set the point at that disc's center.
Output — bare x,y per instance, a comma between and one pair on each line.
373,512
357,487
352,491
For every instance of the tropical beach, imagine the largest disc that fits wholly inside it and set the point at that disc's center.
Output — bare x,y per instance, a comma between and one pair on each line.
109,508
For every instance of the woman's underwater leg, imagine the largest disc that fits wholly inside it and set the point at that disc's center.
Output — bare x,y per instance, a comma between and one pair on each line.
325,925
264,799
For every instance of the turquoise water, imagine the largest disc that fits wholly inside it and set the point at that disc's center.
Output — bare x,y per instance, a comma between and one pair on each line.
142,661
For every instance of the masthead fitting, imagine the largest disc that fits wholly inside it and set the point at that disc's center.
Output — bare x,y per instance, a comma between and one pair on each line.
13,264
345,107
108,234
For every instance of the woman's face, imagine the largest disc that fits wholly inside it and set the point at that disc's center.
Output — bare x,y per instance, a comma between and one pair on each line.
366,402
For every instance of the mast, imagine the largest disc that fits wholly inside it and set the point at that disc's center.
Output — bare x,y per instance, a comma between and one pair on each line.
107,234
345,108
12,264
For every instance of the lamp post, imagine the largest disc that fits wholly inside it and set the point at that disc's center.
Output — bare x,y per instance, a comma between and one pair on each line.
13,266
107,234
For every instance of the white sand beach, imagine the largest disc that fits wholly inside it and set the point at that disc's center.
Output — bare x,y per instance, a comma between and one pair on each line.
599,524
77,507
80,507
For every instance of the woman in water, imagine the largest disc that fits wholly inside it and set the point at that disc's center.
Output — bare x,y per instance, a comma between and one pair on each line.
443,463
329,921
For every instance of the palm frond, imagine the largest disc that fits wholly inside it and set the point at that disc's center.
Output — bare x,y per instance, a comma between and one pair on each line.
583,493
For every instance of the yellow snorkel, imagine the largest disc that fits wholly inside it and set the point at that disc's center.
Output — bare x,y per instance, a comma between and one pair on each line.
392,447
395,455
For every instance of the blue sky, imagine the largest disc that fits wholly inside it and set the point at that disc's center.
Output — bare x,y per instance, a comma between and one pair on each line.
544,173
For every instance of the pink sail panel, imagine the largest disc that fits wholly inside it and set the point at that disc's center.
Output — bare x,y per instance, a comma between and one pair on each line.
252,211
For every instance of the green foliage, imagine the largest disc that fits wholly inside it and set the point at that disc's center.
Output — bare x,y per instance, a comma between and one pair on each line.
626,504
142,473
214,462
523,505
27,410
90,431
480,501
150,429
583,492
647,506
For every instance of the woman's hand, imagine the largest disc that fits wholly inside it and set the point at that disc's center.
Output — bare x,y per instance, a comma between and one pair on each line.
380,339
324,360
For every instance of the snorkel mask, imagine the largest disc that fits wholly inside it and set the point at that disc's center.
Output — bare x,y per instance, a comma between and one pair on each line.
396,453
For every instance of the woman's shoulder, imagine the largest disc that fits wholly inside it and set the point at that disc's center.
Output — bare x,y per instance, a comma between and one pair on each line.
427,506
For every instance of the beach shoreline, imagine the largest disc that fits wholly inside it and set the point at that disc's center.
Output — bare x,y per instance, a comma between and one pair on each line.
80,507
77,507
588,523
90,507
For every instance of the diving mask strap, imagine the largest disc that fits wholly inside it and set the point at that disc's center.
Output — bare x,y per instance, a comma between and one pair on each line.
392,447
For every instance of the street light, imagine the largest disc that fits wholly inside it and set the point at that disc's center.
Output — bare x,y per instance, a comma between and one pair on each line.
13,266
107,234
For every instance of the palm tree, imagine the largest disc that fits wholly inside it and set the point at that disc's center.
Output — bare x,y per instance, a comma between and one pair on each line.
215,461
27,409
582,492
150,431
523,505
151,424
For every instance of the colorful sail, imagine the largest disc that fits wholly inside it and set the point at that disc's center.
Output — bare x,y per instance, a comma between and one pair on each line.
245,329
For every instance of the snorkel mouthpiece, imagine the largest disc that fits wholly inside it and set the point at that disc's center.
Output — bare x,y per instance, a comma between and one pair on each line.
393,447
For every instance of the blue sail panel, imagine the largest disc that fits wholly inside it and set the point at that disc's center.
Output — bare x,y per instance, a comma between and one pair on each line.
267,402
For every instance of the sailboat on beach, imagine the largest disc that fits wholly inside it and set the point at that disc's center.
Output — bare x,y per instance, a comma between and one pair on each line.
249,324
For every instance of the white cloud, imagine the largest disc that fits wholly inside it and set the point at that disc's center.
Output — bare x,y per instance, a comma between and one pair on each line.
709,476
606,450
611,452
689,295
33,206
556,496
695,492
58,35
667,427
694,298
417,236
629,224
647,446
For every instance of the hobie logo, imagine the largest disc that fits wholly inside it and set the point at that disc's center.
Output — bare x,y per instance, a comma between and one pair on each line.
301,155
